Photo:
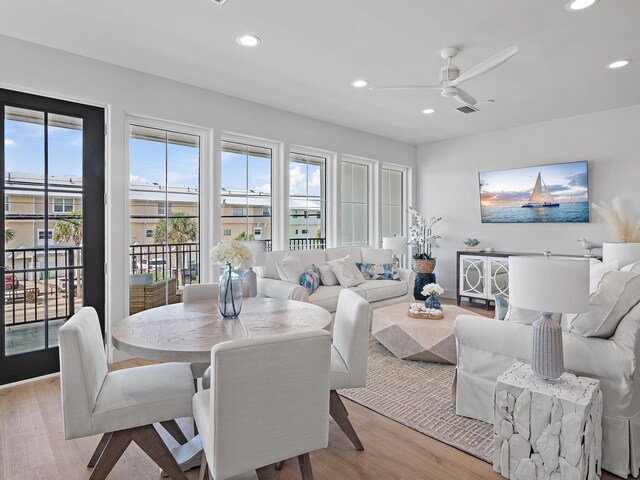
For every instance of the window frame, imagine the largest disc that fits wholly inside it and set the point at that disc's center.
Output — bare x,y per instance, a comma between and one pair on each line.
63,204
407,194
373,195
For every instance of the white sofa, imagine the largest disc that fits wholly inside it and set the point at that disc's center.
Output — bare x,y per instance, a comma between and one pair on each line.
488,347
378,293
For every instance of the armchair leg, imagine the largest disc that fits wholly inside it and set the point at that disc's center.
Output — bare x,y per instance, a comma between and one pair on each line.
337,411
150,441
174,430
305,466
99,449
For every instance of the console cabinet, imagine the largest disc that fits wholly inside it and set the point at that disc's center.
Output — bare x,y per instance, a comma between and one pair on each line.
482,276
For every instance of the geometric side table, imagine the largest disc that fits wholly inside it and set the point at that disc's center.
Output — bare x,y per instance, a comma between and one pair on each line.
547,430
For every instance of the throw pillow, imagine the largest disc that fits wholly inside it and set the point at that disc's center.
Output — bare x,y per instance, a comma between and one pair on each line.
596,271
526,317
310,279
377,255
632,267
346,272
378,271
617,294
502,307
290,268
327,277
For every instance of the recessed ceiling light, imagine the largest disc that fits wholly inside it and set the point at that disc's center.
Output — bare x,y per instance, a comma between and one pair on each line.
248,40
619,63
427,111
489,101
579,4
359,83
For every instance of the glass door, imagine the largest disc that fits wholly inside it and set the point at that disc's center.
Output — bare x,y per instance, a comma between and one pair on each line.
52,162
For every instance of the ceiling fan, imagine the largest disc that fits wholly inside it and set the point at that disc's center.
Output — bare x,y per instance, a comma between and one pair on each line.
450,76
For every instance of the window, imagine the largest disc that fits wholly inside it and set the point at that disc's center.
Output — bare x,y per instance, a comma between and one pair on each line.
62,205
41,235
393,207
307,201
246,190
227,232
164,192
354,206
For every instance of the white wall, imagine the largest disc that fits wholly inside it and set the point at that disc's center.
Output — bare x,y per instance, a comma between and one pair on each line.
37,69
448,181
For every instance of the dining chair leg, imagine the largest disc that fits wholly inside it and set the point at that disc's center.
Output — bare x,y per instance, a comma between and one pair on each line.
346,412
99,449
151,443
305,466
174,430
116,446
280,464
338,413
204,468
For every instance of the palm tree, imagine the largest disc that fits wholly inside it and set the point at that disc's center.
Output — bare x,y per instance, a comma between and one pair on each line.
9,234
182,229
69,228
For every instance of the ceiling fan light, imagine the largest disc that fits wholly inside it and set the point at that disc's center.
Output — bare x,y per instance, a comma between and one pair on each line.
619,63
579,4
248,40
428,111
359,83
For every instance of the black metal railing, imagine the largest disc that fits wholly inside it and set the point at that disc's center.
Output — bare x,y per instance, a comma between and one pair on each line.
41,284
174,260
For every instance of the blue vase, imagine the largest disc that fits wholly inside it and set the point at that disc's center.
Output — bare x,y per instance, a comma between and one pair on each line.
230,293
432,301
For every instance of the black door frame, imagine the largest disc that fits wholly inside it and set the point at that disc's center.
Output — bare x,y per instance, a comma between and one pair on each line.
32,364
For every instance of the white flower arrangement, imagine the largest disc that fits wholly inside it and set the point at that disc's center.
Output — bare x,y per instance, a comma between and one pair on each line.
432,289
420,235
232,253
420,308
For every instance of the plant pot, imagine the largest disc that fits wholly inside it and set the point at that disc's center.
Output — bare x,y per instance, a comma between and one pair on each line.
426,265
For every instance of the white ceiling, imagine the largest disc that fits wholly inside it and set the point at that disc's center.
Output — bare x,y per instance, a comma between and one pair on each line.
312,50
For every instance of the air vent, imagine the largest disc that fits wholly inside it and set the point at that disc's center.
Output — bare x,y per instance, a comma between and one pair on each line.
220,2
467,109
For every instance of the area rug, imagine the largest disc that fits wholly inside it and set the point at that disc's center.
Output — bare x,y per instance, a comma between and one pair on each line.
418,395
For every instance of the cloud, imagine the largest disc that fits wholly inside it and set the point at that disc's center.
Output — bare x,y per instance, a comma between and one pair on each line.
137,178
297,180
266,188
9,143
578,180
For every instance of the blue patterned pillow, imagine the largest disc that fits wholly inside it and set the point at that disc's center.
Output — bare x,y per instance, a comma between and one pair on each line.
379,271
310,279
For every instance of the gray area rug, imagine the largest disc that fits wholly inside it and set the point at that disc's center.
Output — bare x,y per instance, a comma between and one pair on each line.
418,395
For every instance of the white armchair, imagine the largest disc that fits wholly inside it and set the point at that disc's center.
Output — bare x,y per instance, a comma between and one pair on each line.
122,405
487,347
203,291
268,401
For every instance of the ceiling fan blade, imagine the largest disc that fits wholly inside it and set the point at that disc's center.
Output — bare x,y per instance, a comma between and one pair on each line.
408,87
489,64
464,97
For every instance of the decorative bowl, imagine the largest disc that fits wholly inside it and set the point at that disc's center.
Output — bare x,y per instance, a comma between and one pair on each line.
471,242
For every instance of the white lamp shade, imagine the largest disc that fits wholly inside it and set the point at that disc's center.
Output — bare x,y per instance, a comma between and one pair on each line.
624,253
397,244
549,284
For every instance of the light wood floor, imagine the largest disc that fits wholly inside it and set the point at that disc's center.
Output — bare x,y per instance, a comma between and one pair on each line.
32,446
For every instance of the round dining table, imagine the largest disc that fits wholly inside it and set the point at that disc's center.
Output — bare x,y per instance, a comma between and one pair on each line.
186,333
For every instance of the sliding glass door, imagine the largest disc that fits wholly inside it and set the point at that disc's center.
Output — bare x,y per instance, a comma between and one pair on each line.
52,163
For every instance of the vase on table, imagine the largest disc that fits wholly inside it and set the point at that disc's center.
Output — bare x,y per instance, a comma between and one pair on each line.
230,293
433,301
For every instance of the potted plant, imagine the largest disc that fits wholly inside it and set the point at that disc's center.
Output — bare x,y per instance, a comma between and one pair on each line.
422,237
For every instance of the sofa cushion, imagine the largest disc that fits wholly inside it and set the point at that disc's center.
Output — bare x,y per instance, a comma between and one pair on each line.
311,257
336,253
617,294
327,297
290,268
377,255
310,279
378,271
266,264
327,277
596,271
378,290
525,317
632,267
346,271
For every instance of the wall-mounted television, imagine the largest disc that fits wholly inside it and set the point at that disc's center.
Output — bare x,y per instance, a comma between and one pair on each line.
557,192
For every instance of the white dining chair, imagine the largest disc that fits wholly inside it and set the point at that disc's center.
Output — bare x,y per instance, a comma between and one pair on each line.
269,400
348,356
124,404
203,291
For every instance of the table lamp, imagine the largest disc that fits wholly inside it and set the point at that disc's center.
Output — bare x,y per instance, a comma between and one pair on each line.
549,285
255,247
398,245
624,253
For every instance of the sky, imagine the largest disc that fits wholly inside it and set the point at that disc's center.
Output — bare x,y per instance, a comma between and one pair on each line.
24,147
514,186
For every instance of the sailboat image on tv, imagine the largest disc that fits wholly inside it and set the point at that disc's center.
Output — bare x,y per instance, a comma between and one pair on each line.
541,198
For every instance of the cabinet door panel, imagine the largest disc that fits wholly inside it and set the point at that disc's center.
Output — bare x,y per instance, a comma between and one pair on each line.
499,285
472,276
